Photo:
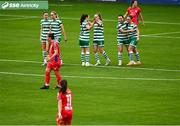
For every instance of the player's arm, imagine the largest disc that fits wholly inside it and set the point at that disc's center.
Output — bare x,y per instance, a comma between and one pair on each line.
63,32
55,53
90,25
59,108
142,19
40,32
126,14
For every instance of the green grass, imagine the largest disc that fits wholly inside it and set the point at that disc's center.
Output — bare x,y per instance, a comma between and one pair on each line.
112,100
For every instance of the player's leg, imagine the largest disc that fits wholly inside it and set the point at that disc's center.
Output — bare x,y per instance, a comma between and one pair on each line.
44,52
58,77
130,54
137,34
47,77
59,41
120,50
83,56
87,56
103,52
95,47
137,56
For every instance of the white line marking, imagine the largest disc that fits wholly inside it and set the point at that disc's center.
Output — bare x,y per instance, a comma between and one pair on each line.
114,67
108,20
164,33
92,77
11,19
154,36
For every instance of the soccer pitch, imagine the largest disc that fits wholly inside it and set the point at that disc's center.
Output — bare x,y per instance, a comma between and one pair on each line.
148,94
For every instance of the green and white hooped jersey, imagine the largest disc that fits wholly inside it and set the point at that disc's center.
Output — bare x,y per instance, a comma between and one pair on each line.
134,33
56,28
120,35
84,32
45,25
98,31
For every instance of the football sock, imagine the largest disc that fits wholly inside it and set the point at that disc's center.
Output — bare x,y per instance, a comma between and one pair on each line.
131,56
87,56
96,57
119,56
137,56
47,78
58,77
105,55
82,57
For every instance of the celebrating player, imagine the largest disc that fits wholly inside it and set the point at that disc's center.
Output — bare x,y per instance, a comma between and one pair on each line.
65,111
53,61
84,39
135,12
45,29
122,38
132,38
57,28
98,41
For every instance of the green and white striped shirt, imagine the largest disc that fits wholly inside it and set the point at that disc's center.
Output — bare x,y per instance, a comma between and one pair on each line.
120,35
84,32
134,33
56,28
98,31
45,25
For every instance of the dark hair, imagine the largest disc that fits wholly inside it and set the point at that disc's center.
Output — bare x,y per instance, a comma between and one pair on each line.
45,12
83,17
120,15
63,86
51,35
130,17
100,17
132,2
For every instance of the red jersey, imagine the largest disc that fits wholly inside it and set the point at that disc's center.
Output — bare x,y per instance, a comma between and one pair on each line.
54,46
66,100
134,12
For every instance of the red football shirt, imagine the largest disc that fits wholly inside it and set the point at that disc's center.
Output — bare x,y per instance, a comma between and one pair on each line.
54,46
66,100
134,12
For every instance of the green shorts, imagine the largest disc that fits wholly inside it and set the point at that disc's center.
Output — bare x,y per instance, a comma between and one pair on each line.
133,42
123,43
98,43
83,44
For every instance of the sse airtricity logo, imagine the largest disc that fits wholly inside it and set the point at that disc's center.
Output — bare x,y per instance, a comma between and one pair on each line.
5,5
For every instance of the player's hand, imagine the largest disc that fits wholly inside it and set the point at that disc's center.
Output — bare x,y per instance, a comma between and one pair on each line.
143,24
59,115
48,58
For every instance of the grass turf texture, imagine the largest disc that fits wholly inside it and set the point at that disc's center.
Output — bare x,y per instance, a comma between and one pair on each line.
95,101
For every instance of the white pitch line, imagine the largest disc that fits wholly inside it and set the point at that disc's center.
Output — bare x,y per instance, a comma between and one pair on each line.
94,77
164,33
108,20
113,67
154,36
11,19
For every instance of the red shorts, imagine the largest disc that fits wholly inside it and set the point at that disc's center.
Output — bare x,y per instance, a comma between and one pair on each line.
54,66
66,118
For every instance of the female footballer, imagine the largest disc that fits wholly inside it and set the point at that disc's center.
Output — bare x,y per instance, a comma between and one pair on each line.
65,110
84,38
122,38
45,29
53,61
131,31
98,41
135,12
57,28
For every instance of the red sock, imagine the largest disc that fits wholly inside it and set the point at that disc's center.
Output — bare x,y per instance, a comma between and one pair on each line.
58,77
47,78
